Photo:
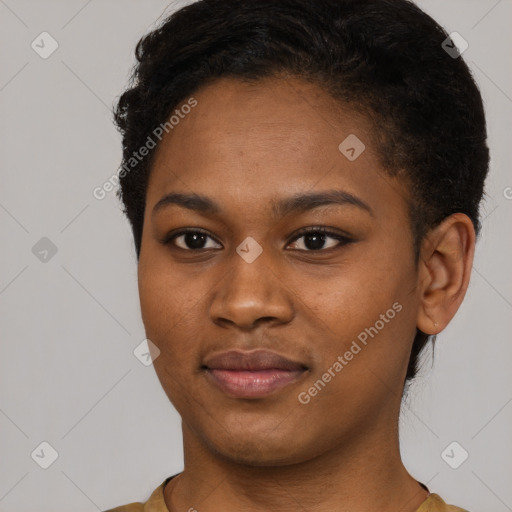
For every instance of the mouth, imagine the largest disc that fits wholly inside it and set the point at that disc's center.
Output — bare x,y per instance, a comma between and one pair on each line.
254,374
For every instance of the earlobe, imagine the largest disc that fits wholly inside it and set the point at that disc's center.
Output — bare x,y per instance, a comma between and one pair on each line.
444,271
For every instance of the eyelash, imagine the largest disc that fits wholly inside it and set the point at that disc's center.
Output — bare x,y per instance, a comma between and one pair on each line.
342,239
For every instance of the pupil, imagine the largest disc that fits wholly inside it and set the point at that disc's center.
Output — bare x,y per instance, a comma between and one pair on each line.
312,241
195,240
318,240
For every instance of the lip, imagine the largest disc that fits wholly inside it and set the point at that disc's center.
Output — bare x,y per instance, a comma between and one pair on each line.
253,374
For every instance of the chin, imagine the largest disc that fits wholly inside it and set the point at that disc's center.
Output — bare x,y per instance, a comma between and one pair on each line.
268,446
252,453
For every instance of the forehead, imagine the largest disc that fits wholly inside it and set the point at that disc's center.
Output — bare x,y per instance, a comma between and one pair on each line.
263,139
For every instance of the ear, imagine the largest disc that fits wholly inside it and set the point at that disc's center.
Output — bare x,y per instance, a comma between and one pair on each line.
445,264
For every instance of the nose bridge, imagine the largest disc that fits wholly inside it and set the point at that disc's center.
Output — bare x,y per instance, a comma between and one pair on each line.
251,290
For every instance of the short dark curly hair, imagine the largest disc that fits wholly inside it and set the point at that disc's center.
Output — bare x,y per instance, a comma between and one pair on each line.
383,58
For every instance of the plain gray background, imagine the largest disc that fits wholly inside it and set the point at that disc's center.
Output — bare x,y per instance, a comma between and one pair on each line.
69,325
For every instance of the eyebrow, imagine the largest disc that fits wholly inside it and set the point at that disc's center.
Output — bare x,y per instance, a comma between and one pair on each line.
294,204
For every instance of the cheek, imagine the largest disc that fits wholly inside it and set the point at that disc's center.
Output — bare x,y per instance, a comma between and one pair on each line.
170,312
370,306
168,295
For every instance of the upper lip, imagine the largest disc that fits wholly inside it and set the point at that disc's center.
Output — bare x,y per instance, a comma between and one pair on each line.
253,360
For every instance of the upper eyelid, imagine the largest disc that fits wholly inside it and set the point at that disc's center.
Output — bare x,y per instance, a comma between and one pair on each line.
321,229
301,232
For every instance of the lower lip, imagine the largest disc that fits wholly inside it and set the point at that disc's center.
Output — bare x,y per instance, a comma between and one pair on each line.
253,384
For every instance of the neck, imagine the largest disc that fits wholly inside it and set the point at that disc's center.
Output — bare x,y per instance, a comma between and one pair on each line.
360,475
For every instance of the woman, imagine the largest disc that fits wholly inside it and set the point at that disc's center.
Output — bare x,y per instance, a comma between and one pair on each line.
303,182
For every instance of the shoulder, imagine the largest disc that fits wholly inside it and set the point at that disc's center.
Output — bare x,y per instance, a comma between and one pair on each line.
434,503
131,507
155,503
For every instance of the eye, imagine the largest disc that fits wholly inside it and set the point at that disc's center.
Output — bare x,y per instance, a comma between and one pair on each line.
315,239
191,240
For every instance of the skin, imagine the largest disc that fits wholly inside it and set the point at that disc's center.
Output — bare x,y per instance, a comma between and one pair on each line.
246,146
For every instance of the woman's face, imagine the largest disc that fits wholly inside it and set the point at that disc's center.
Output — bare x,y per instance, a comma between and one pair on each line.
343,309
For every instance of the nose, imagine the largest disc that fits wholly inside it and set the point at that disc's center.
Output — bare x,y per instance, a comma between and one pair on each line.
251,294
